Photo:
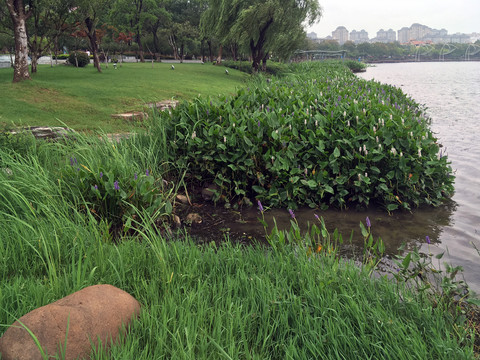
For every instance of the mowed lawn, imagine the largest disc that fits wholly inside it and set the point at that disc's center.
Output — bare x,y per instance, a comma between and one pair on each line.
84,99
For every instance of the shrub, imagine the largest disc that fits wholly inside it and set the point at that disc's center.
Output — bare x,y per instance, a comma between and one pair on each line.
78,59
273,68
61,57
322,138
355,66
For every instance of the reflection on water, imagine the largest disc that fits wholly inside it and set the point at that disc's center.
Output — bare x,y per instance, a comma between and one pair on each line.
451,92
395,229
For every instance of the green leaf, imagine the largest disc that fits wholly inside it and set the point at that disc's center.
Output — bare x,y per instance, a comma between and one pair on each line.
364,230
336,152
168,207
329,189
406,261
247,141
391,207
383,187
294,179
475,302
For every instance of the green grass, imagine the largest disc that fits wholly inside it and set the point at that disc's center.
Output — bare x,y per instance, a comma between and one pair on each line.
84,99
210,302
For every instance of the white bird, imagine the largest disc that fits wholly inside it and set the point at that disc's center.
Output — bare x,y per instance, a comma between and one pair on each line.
173,67
226,71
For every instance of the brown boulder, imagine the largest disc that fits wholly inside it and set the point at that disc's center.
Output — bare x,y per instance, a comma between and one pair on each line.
92,314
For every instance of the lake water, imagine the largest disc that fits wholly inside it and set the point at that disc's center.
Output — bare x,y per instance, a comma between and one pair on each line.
451,91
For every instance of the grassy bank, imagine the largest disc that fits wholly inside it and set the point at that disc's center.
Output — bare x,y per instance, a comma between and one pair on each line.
85,212
204,302
84,99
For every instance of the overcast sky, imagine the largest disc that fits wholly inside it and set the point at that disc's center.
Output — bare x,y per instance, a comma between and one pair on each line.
372,15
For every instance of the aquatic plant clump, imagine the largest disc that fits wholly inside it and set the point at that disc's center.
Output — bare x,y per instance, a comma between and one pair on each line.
320,137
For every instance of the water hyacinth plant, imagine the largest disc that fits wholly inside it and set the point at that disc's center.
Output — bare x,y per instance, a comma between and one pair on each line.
116,200
320,137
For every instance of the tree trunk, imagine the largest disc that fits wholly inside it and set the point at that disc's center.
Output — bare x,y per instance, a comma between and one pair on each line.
234,50
264,62
34,61
182,46
156,47
202,50
12,61
173,44
210,52
92,36
56,50
257,49
219,57
138,40
19,18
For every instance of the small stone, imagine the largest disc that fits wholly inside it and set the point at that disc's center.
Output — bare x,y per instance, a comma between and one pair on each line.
193,218
182,199
176,221
94,313
209,192
131,116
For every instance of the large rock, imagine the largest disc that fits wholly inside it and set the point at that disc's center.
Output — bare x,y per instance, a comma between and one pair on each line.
95,313
47,132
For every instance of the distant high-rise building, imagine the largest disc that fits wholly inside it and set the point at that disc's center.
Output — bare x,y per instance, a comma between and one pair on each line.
403,35
312,36
340,34
418,32
385,36
359,37
391,35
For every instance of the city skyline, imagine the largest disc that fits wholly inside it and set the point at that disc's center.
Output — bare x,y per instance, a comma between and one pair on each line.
373,15
416,32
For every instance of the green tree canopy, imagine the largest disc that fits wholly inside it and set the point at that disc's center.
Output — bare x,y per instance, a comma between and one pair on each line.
262,26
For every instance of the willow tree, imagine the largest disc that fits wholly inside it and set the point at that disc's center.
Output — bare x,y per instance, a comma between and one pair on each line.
19,14
259,24
216,22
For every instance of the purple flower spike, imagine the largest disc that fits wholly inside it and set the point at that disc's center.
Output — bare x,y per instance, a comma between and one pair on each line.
101,174
367,220
71,161
135,176
147,172
96,187
428,239
292,214
258,123
317,217
260,207
116,186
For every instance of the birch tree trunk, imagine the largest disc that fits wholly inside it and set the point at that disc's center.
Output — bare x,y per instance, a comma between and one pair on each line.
19,19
